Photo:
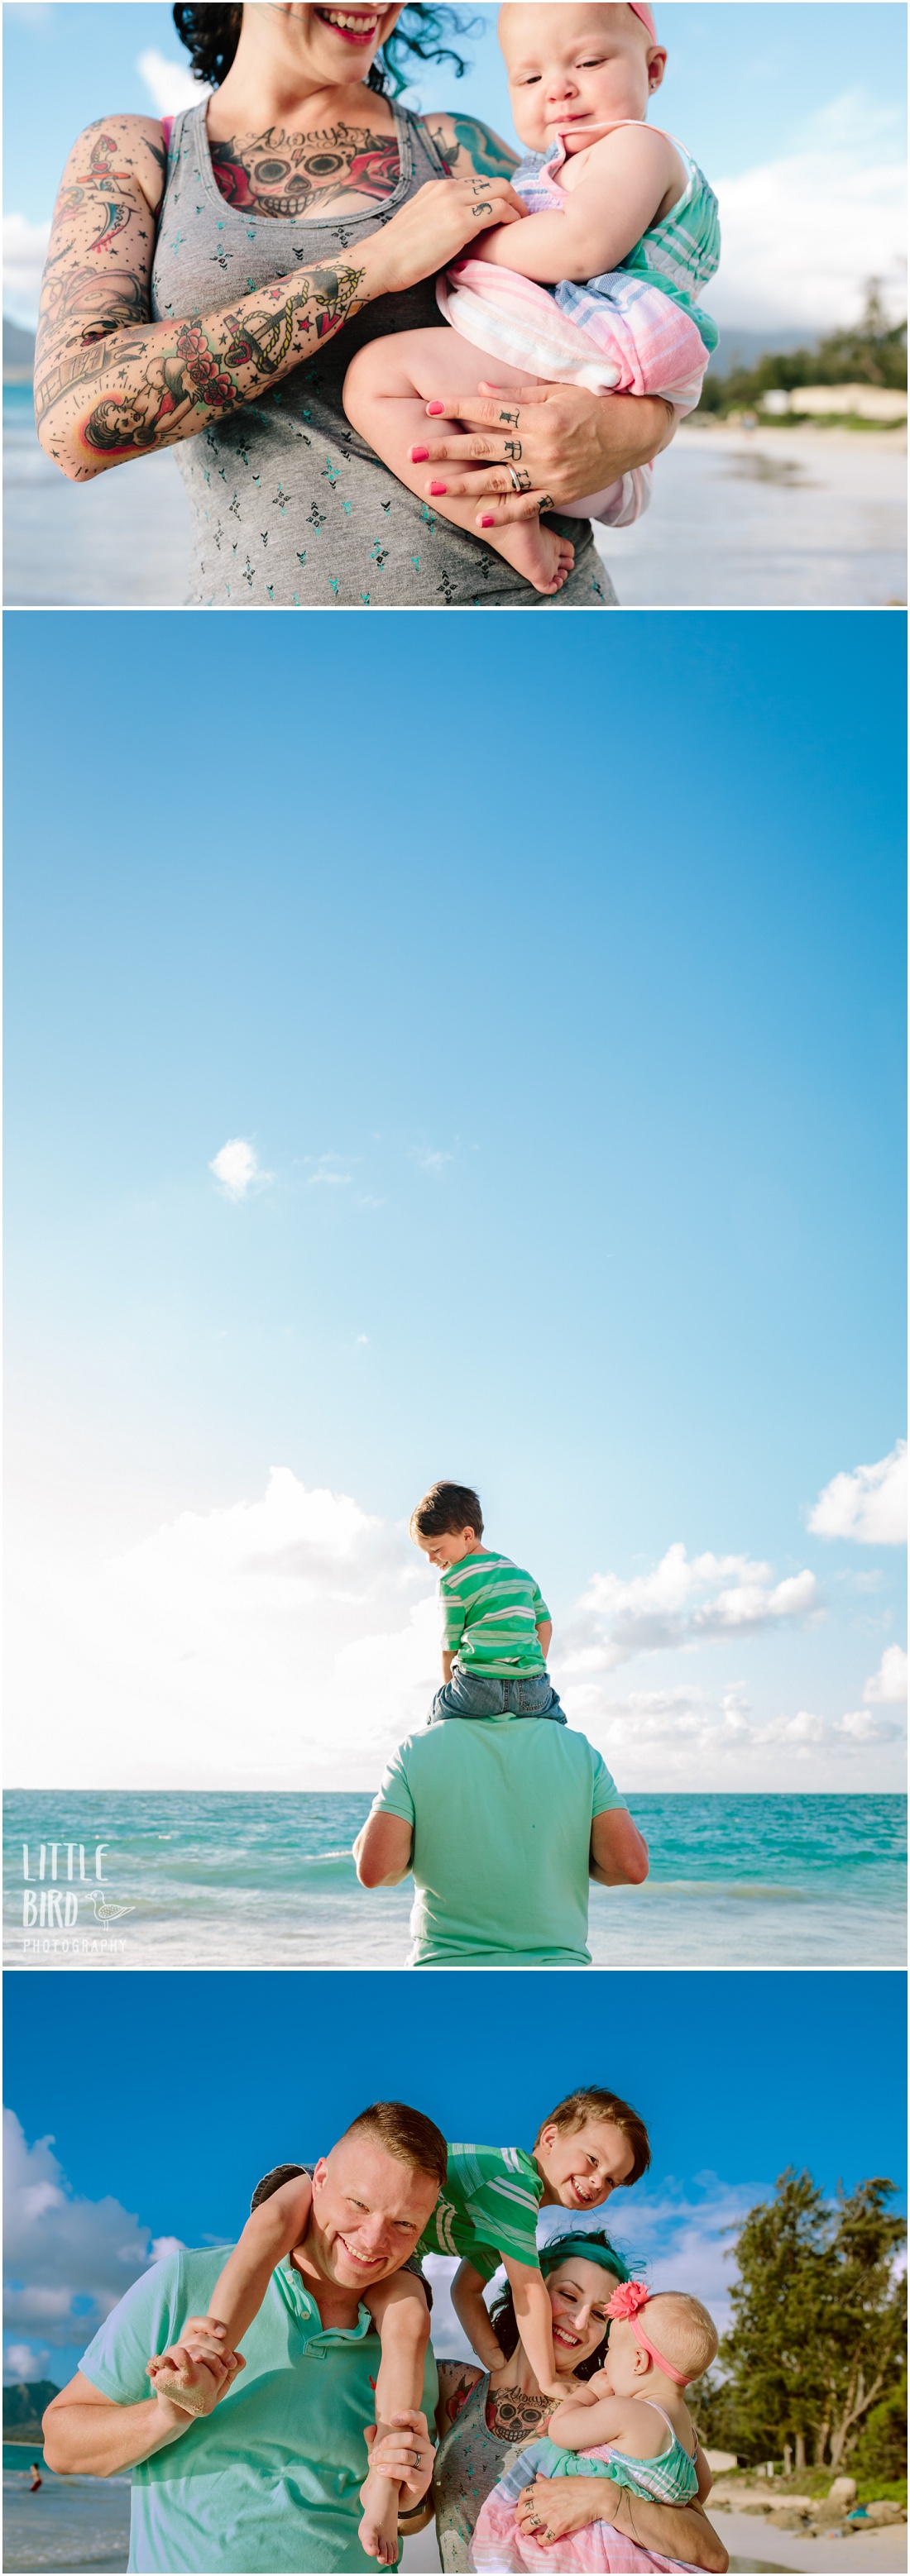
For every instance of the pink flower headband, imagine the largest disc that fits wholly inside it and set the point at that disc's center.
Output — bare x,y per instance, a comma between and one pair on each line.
627,2301
641,10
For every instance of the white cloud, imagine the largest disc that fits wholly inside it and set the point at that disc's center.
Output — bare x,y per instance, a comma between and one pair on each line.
684,1602
889,1685
801,235
236,1166
292,1638
20,2361
68,2259
868,1504
169,82
24,254
431,1158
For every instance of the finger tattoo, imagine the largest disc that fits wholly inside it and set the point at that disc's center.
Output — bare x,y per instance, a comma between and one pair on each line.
513,449
546,502
510,416
481,210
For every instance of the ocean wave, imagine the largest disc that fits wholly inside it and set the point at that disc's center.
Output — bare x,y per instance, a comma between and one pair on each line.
754,1891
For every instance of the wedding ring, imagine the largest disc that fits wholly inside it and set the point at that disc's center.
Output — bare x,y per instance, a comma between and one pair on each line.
516,479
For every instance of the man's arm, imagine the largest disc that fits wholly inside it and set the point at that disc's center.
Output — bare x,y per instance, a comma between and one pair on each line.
88,2435
619,1853
383,1851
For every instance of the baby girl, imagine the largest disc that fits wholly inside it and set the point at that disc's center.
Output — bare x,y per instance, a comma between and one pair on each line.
595,286
628,2423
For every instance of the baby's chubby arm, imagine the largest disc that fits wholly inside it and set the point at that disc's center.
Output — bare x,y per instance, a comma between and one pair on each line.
271,2232
624,185
588,2417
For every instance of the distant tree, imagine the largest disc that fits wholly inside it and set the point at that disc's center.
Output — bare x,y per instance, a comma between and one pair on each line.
818,2325
881,2451
874,352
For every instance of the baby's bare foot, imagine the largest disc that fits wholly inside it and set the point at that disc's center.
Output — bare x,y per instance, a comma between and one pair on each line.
545,559
378,2533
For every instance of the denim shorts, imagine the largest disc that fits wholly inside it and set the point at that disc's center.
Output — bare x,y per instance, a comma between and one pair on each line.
491,1695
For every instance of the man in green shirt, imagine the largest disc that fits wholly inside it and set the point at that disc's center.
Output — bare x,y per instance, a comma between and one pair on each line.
502,1822
268,2481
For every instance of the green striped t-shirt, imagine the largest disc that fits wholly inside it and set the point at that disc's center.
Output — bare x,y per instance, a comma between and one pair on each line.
491,1611
487,2208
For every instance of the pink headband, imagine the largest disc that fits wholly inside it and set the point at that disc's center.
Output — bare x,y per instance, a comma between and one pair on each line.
641,10
631,2296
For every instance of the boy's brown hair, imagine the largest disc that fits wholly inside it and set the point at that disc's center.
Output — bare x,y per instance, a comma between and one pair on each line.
447,1507
592,2103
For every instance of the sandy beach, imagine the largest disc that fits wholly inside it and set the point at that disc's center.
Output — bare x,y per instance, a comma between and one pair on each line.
769,518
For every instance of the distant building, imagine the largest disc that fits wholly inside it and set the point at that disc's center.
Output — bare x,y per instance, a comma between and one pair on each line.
865,402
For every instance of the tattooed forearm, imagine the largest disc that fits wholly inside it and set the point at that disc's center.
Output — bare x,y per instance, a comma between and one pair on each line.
215,364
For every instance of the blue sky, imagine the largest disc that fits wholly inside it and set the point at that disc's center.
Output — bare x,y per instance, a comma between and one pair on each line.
758,2085
556,987
794,108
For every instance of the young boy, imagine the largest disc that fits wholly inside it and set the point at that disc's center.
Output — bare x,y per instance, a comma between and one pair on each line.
497,1627
487,2212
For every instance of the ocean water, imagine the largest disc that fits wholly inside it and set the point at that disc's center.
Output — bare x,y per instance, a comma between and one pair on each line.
71,2524
266,1880
769,519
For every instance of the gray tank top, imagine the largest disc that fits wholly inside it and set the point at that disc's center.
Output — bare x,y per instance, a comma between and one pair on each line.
289,507
469,2463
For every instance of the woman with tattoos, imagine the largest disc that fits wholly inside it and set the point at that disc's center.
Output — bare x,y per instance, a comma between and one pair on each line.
484,2417
207,284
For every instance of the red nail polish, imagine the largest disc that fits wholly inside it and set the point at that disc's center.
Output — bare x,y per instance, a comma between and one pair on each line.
436,488
419,455
435,406
489,522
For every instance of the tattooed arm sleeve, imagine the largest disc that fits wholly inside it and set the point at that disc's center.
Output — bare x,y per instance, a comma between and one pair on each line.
468,146
111,384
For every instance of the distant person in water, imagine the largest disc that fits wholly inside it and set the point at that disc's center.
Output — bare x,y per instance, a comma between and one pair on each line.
36,2480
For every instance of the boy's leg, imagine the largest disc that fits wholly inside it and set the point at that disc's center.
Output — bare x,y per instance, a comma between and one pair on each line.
400,2313
386,390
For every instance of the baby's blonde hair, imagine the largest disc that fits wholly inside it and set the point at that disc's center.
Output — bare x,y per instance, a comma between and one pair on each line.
682,2330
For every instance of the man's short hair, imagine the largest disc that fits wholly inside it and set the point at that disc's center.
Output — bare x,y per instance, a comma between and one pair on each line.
447,1507
592,2103
404,2133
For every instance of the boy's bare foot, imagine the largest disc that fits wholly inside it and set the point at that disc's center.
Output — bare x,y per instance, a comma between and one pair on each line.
545,559
378,2533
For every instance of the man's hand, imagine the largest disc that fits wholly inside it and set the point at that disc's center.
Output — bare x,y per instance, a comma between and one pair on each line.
406,2455
560,440
194,2379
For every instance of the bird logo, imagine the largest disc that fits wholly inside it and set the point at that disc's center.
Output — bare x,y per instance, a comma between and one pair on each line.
105,1913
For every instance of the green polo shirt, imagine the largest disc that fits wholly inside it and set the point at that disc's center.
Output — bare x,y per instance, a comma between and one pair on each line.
270,2481
501,1810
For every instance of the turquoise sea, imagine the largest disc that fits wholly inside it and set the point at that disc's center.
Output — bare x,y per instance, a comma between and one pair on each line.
222,1880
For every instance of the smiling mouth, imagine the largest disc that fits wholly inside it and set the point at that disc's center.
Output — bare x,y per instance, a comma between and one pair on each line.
363,2262
356,31
561,2334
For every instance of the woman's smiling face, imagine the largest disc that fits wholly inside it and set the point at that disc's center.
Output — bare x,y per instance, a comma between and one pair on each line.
336,46
578,2293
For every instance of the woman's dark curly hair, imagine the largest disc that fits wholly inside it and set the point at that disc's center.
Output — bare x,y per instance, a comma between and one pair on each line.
502,2310
211,36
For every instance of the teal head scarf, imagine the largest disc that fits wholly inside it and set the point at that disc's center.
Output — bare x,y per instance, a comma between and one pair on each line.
594,2247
